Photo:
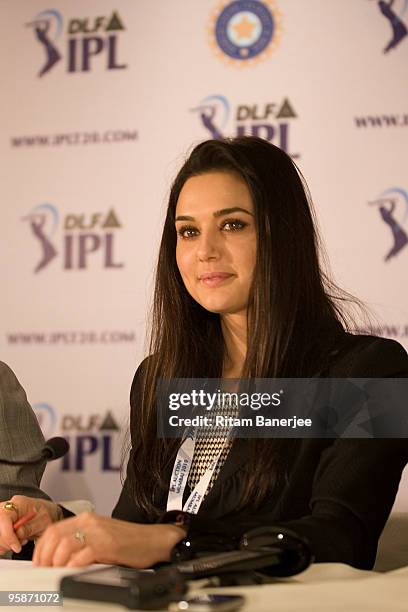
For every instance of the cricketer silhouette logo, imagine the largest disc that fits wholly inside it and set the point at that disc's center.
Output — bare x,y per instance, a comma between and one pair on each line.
394,11
392,205
214,112
78,42
43,221
47,27
272,121
74,239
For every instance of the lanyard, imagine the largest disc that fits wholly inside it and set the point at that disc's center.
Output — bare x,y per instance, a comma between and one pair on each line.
178,481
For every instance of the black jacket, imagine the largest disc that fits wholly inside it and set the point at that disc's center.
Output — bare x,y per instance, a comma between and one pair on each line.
339,493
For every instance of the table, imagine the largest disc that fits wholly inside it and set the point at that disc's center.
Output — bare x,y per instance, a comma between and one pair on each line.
323,587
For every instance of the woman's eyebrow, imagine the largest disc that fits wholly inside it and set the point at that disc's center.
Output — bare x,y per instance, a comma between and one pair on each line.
228,211
217,213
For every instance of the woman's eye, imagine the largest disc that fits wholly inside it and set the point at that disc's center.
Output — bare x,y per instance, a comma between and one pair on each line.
233,225
187,232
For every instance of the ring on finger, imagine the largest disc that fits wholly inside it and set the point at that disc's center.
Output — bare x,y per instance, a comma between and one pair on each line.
80,536
9,505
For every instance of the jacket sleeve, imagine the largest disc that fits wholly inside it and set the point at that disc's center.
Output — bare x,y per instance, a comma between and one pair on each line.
355,483
126,508
20,437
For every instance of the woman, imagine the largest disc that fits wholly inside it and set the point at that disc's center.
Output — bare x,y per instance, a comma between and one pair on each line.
240,294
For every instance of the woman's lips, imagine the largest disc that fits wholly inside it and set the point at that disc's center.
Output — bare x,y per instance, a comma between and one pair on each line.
213,279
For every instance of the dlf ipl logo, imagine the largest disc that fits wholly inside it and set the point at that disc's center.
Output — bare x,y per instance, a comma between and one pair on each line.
244,31
392,206
91,435
394,11
269,120
75,239
84,39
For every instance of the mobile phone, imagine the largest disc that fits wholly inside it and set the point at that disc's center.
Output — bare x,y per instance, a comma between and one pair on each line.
134,589
208,603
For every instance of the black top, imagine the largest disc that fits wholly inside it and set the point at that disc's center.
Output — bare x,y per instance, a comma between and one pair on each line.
339,492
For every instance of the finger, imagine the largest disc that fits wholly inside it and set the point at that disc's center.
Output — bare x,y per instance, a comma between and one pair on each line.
86,556
8,537
25,519
34,528
22,500
20,525
10,512
23,505
67,546
48,542
46,545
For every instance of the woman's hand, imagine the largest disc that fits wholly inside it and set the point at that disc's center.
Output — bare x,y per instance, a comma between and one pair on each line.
46,512
89,538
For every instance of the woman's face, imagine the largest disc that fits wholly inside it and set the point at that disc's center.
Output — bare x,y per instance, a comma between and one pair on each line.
216,241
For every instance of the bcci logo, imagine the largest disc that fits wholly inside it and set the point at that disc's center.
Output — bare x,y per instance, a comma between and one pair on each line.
392,206
78,244
81,44
245,31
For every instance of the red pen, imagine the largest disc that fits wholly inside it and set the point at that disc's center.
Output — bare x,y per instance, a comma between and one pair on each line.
24,519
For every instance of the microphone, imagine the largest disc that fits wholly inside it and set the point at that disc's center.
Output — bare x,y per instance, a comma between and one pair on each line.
53,449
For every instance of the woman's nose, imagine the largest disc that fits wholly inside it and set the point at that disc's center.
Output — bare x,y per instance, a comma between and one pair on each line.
208,246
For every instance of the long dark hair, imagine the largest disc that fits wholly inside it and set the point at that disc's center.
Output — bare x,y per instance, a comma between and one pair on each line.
296,313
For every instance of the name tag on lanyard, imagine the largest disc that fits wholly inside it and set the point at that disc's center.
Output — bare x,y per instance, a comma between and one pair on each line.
179,476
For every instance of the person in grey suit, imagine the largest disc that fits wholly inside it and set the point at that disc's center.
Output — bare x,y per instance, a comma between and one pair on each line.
20,438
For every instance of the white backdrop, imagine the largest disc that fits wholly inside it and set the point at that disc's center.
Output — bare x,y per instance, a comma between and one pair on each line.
89,148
